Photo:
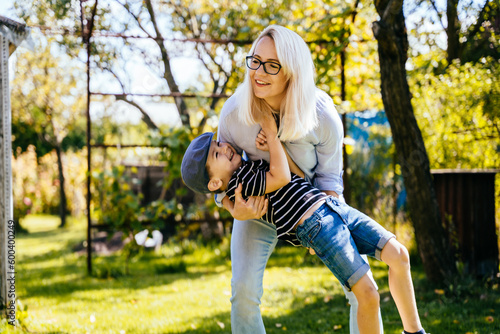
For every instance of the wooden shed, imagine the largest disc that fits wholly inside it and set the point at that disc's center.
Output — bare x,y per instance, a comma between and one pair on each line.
467,204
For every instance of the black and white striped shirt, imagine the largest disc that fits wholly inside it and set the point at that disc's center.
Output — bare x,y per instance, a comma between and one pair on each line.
286,206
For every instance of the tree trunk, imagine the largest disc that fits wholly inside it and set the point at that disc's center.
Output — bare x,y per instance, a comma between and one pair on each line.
62,204
452,30
430,235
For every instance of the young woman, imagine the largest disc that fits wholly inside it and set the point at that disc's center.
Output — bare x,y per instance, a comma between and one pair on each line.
279,79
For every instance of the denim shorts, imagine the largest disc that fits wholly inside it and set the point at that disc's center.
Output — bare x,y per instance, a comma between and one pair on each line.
339,234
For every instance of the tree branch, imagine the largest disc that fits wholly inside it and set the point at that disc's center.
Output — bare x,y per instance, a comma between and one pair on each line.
440,16
179,102
145,116
480,20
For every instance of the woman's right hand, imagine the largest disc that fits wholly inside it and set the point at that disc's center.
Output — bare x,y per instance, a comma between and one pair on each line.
252,208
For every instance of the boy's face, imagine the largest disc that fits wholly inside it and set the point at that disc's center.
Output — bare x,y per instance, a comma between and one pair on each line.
222,161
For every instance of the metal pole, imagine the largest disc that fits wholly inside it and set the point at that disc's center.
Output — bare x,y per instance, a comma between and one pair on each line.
89,160
86,40
347,189
7,229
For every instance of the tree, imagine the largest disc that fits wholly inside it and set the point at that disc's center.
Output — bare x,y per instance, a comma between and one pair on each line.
390,33
471,28
46,110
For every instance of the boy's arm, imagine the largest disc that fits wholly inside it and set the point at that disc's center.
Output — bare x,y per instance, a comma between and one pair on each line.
261,143
279,172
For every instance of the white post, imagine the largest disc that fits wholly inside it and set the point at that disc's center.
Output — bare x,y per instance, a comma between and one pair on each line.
7,228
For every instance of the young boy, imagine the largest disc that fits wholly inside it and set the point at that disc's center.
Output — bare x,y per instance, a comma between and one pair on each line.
303,215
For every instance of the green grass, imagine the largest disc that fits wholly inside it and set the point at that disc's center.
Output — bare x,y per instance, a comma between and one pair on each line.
186,289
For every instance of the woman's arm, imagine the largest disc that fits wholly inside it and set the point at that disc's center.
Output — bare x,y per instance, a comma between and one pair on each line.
330,132
254,207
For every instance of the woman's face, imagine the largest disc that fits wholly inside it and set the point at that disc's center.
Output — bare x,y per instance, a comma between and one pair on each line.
271,88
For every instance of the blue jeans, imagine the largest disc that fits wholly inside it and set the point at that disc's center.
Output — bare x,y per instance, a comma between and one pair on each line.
252,243
339,234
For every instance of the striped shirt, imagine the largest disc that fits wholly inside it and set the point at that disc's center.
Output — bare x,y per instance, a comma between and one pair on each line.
286,206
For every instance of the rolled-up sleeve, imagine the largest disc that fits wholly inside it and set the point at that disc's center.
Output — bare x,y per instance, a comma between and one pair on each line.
328,173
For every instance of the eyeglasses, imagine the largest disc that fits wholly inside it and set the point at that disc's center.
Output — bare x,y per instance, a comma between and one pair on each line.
272,68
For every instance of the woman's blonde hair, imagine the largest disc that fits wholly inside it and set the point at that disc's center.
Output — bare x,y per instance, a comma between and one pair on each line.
298,109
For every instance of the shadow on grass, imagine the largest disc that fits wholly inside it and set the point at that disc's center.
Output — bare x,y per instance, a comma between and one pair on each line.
305,317
64,280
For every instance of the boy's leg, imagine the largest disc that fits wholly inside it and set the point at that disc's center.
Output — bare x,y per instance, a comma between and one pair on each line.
396,256
368,305
351,297
252,242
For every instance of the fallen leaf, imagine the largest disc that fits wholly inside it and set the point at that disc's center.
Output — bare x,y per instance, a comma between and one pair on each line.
439,291
221,324
337,327
279,325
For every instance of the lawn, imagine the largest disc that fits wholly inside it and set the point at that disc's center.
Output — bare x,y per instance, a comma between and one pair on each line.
186,289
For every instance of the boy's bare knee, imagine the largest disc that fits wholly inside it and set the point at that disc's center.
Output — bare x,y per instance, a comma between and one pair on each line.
366,293
396,256
403,259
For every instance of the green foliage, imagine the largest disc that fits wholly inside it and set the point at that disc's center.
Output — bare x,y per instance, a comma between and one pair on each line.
47,101
373,177
118,205
458,113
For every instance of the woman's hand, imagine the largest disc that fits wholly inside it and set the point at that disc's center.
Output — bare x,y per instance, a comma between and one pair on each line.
253,208
261,141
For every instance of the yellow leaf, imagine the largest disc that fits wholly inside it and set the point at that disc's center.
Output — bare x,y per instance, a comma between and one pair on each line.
439,292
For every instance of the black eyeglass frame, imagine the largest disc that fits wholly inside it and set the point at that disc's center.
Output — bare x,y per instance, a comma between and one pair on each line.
262,63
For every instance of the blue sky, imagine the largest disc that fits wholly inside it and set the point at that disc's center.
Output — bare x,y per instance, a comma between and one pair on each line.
4,6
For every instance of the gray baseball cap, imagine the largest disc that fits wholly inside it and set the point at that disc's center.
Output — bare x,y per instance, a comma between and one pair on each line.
193,170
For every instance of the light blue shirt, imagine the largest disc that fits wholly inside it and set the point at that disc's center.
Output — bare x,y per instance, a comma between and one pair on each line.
318,154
